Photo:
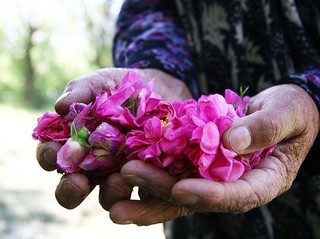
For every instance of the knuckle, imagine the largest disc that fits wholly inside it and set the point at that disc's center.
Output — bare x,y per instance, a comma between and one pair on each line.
272,128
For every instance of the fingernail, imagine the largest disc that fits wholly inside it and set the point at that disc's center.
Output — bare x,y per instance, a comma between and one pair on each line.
239,138
65,195
49,157
73,191
64,95
135,180
69,189
125,222
187,198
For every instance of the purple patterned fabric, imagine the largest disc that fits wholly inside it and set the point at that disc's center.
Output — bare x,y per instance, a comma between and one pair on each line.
310,81
252,45
148,35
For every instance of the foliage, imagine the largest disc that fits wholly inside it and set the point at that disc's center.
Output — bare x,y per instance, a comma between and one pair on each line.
39,55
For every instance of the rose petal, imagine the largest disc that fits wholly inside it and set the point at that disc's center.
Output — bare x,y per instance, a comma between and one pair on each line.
210,139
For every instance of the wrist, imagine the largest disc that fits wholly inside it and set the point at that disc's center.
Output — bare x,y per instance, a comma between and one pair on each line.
168,86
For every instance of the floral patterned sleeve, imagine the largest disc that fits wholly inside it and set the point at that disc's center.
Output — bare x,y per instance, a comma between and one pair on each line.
148,35
310,81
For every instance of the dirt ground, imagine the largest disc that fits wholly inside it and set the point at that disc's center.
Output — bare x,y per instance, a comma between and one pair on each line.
28,209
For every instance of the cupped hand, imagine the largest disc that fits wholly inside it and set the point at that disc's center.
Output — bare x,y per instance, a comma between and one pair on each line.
74,188
283,115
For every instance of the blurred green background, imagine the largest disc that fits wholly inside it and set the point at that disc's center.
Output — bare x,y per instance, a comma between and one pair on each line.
43,45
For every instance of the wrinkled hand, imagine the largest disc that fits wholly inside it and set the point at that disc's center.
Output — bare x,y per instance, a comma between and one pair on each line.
74,188
284,115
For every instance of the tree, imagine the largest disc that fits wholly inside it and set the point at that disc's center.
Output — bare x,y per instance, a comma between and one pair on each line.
99,26
29,67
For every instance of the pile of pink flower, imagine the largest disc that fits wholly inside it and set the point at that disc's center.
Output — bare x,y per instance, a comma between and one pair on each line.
130,121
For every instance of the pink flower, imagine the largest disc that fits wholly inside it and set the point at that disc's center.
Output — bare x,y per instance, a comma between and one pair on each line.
52,127
74,110
251,160
70,156
76,149
162,140
206,150
130,121
239,103
121,104
106,152
144,144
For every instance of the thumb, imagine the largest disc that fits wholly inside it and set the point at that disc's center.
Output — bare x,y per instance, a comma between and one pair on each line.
81,90
85,89
257,131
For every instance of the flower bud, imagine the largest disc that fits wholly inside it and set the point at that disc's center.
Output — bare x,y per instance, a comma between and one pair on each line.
106,143
71,155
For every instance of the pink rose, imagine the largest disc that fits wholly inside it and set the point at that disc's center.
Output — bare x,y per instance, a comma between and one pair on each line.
144,144
121,104
162,139
107,144
52,127
206,150
70,156
74,110
130,121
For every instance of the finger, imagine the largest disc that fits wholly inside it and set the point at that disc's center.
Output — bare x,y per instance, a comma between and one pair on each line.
276,114
72,190
81,90
114,190
85,89
253,189
260,130
146,212
149,178
46,154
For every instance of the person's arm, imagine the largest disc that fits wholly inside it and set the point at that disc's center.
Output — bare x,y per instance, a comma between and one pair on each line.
149,35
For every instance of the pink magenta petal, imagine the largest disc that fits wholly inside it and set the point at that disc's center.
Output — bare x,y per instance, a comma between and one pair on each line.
124,118
226,167
227,173
92,162
149,152
223,123
167,160
212,107
210,139
153,128
70,156
175,146
232,97
204,163
197,134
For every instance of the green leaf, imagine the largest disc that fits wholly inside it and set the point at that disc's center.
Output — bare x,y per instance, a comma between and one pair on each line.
81,136
243,91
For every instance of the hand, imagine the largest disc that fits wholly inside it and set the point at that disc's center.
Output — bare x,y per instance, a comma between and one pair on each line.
74,188
284,115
